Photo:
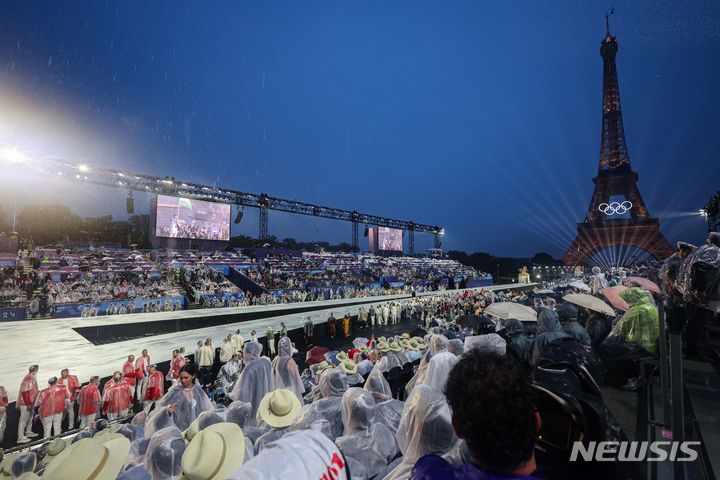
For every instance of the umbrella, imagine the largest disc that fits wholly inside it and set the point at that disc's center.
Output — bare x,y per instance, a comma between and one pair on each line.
612,294
590,302
648,285
507,310
315,355
579,286
473,322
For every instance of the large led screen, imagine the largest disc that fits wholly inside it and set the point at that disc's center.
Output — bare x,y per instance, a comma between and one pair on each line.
189,218
390,239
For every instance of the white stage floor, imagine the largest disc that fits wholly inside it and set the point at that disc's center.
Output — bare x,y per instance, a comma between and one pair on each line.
54,345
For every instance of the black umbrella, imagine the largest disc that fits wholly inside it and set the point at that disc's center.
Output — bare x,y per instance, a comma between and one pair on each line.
475,322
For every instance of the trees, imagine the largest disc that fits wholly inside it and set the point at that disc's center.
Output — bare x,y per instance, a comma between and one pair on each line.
48,224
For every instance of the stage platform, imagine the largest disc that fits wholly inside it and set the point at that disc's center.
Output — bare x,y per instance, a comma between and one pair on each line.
100,345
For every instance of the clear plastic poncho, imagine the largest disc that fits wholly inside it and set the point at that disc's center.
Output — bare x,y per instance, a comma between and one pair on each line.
388,361
185,410
366,440
548,329
421,372
229,373
252,385
378,386
438,343
425,429
699,277
164,453
439,369
285,372
489,343
267,438
456,347
324,415
640,324
238,413
304,454
388,409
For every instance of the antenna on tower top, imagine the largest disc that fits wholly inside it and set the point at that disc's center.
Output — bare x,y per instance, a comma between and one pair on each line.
607,20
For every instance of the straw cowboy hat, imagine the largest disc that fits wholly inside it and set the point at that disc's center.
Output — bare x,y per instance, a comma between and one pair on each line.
5,466
405,336
414,345
395,347
363,348
56,447
279,408
28,476
214,453
349,367
342,356
89,459
406,344
383,347
322,366
382,340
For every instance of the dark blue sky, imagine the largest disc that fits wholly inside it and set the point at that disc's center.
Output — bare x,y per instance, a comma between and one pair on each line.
484,119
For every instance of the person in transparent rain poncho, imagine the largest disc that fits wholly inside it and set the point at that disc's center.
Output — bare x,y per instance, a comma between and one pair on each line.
230,372
389,359
425,429
366,441
285,372
180,405
440,364
456,347
238,413
278,410
162,458
388,409
325,415
254,381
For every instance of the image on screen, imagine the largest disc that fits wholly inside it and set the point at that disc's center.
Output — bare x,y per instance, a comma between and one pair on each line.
390,239
189,218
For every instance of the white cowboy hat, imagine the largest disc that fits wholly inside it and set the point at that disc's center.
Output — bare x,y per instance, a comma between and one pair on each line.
89,459
349,367
214,453
279,408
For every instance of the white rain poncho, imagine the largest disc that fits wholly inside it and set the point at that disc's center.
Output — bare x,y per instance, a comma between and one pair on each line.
325,415
438,343
305,454
488,343
439,369
420,374
229,373
389,410
164,453
267,438
456,347
285,372
366,441
388,361
425,429
185,410
138,449
254,381
238,413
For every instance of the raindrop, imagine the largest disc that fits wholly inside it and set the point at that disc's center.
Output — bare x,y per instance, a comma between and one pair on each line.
50,61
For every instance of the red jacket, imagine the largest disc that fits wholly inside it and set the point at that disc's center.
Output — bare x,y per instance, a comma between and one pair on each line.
52,400
88,399
73,385
155,387
117,397
129,373
28,391
3,397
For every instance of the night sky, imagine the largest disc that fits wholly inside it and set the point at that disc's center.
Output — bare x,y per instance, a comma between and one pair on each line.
484,119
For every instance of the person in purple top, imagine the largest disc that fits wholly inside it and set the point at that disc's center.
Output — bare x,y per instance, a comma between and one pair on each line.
493,411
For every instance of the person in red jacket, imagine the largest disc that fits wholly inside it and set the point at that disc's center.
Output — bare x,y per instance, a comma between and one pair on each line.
89,402
155,387
3,409
128,371
26,404
141,373
177,362
71,383
51,403
117,397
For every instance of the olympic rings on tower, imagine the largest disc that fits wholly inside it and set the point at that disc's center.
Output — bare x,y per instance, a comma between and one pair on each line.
615,207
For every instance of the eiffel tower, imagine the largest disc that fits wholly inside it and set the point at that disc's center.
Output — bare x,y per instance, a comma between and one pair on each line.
617,216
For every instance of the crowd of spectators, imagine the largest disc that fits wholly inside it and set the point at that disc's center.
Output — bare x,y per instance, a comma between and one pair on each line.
458,395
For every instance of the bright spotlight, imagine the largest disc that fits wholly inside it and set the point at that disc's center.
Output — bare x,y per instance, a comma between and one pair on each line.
12,155
83,168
